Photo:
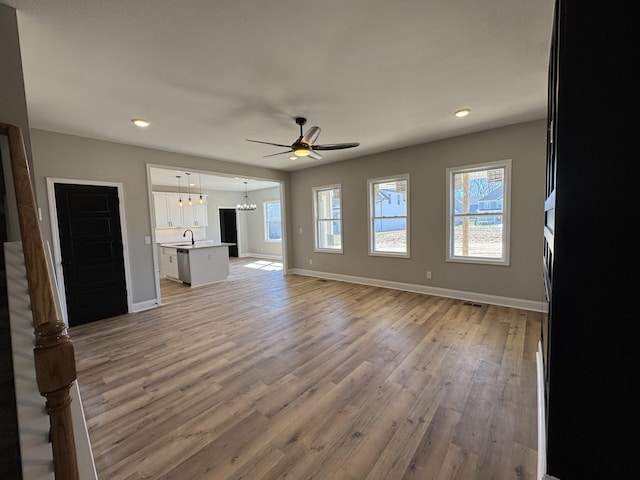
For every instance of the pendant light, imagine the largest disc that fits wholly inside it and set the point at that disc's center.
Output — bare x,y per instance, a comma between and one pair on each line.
201,200
246,203
179,194
189,201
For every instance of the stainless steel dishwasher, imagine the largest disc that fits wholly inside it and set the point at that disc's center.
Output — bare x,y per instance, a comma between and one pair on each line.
184,269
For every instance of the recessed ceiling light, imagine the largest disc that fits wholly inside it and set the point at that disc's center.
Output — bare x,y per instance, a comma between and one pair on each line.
139,122
293,157
462,113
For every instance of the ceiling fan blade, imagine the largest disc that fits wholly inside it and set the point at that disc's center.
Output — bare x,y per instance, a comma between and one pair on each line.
314,155
268,143
311,136
334,146
279,153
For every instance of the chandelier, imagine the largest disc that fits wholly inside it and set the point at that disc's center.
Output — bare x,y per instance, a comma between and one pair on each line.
246,203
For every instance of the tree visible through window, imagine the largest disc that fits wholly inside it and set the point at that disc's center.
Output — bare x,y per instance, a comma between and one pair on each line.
272,222
328,218
388,213
478,213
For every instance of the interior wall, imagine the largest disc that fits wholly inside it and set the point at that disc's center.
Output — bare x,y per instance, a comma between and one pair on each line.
66,156
13,107
426,165
222,199
13,111
71,157
256,242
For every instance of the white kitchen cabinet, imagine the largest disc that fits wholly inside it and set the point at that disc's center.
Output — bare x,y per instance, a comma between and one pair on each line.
170,215
201,264
195,215
167,211
169,262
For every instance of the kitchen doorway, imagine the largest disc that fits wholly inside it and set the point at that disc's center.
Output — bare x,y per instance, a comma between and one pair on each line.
229,229
89,258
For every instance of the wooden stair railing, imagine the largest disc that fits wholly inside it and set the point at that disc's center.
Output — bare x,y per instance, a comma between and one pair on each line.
53,352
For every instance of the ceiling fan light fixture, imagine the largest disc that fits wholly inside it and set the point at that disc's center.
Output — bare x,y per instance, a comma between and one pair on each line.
305,145
302,152
139,122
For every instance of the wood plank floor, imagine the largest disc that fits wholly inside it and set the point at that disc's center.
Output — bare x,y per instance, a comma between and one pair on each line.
267,376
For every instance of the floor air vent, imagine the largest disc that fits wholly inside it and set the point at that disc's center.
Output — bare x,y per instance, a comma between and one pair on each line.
473,304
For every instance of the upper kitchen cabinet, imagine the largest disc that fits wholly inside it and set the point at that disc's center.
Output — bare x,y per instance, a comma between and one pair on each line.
167,211
195,215
170,215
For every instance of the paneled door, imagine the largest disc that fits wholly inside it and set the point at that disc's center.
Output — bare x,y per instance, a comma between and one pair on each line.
229,229
92,252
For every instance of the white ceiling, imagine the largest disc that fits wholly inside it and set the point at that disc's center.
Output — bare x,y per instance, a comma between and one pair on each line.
211,74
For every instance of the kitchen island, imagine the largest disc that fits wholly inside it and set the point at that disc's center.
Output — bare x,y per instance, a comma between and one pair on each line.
202,262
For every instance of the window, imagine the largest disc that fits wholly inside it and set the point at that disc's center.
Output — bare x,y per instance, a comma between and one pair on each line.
327,208
478,213
272,223
388,213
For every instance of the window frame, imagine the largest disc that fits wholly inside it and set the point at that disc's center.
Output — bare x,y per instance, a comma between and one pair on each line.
504,260
371,183
316,220
265,221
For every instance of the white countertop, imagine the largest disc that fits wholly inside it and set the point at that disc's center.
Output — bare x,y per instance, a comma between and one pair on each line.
198,244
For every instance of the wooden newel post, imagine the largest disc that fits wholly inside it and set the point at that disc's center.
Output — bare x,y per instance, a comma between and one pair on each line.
54,354
55,373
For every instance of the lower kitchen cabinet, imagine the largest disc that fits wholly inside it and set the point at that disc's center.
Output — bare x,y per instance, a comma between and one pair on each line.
169,262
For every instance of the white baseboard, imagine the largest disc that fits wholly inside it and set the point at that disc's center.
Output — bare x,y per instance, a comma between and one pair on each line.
146,305
439,292
261,255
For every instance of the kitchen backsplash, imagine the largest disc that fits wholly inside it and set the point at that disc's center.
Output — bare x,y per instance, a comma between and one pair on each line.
173,235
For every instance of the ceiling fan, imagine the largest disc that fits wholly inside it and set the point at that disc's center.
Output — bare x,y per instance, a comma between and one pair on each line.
304,146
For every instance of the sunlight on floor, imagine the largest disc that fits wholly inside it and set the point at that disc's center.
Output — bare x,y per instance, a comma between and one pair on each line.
264,265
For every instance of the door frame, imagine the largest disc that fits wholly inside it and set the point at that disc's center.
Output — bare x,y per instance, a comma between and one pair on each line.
55,237
152,218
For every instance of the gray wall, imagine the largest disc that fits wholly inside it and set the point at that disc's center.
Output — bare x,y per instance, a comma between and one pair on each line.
70,157
65,156
13,106
426,164
255,224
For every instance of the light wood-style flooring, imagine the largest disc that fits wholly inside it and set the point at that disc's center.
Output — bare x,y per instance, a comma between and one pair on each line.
267,376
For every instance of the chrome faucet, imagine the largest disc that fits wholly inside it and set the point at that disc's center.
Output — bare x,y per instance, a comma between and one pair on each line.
185,234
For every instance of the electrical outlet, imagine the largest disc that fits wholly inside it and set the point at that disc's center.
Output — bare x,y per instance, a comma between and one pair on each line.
429,275
310,262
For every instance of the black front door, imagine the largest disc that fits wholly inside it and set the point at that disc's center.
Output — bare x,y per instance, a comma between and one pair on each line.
92,252
229,229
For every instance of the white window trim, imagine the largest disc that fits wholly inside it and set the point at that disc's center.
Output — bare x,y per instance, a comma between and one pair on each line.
506,213
314,191
370,202
264,221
